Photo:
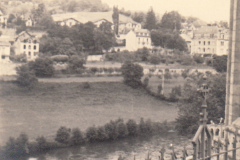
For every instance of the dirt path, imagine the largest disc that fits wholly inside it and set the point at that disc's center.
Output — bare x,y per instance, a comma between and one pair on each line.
80,79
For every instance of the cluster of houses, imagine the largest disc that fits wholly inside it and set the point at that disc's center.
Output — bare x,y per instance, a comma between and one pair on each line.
201,38
204,39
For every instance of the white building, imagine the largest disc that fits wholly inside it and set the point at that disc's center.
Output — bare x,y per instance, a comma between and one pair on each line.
28,44
134,40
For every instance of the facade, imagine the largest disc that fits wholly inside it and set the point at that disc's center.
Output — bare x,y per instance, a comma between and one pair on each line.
4,51
3,20
68,22
134,40
209,40
27,44
29,22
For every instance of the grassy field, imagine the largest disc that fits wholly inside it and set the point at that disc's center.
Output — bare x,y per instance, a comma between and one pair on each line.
51,105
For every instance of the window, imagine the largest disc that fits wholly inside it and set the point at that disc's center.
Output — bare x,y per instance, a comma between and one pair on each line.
24,46
3,57
35,41
209,43
199,42
222,43
29,53
34,47
29,47
204,43
203,49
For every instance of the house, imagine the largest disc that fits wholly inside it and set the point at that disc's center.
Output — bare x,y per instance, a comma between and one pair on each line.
3,20
209,40
4,50
29,22
133,40
26,43
97,18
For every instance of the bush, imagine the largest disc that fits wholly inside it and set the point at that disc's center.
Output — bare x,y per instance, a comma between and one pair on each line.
17,147
21,58
60,58
111,130
122,130
43,67
198,59
185,73
132,74
75,63
132,127
41,143
25,77
63,135
101,134
145,82
77,137
92,134
86,85
154,59
145,127
220,63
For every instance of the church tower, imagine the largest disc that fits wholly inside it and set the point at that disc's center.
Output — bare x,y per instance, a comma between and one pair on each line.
232,107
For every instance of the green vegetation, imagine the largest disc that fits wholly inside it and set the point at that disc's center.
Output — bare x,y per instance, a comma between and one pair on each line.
132,74
52,105
42,67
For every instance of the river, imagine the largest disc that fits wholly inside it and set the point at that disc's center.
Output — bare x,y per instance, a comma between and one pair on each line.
129,147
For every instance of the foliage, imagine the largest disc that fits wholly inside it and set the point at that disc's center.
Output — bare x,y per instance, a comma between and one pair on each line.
146,82
220,63
77,137
75,63
167,39
171,20
21,58
132,127
25,77
143,53
154,59
60,58
63,135
191,101
86,85
92,134
138,17
198,59
42,66
151,22
132,74
17,147
115,17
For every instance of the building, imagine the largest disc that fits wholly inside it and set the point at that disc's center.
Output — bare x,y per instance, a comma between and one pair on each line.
133,40
4,50
26,43
209,40
29,22
3,20
71,19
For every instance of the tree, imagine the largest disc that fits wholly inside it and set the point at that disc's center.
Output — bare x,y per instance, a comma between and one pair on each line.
171,20
132,127
26,77
132,74
138,17
77,137
43,67
151,22
115,17
63,135
38,13
75,63
191,101
220,63
92,134
143,53
154,59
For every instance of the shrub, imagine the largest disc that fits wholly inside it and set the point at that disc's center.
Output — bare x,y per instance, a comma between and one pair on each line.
77,137
145,127
160,88
185,73
167,75
41,143
220,63
91,134
122,130
75,63
43,67
94,70
63,135
101,134
111,130
132,74
25,77
198,59
132,127
21,58
60,58
154,59
17,147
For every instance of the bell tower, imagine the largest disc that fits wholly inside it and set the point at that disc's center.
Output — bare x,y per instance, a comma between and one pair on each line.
232,106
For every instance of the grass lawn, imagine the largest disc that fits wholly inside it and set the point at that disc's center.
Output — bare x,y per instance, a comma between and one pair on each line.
51,105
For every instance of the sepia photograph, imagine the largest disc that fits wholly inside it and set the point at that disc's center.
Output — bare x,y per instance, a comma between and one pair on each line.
119,79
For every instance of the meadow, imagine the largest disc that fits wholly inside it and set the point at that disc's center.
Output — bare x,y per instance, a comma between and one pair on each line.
44,109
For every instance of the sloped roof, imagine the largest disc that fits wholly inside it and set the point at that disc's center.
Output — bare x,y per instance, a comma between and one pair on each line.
85,17
185,37
22,36
207,30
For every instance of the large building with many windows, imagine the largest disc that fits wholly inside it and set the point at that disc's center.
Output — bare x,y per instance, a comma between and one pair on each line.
27,44
209,40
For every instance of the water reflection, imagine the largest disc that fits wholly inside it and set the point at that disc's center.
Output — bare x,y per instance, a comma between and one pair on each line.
127,148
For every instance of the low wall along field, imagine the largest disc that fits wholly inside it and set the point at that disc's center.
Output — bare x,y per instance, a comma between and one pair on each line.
42,111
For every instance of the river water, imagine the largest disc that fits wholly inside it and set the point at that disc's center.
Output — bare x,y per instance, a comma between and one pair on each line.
127,148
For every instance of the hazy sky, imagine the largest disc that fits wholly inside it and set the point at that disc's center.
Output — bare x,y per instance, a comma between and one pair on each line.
207,10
